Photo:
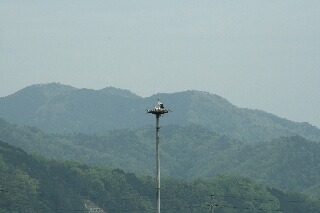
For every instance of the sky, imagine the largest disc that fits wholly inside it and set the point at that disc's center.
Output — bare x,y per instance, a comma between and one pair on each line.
258,54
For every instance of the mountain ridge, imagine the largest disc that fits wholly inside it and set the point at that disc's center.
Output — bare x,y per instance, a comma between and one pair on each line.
65,109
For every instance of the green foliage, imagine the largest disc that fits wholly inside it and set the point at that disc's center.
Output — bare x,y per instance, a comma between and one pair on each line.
36,184
289,163
17,190
296,202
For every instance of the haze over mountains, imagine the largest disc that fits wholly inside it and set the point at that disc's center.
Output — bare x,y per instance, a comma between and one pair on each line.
209,144
64,109
205,135
64,149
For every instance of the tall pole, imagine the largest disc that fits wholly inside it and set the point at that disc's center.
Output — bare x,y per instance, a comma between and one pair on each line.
158,111
211,205
158,161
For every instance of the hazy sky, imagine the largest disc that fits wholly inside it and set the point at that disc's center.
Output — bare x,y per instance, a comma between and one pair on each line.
257,54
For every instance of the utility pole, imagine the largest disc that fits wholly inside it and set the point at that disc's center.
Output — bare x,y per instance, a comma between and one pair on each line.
211,205
158,110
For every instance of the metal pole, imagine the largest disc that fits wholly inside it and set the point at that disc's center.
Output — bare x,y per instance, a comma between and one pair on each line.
211,205
158,162
158,111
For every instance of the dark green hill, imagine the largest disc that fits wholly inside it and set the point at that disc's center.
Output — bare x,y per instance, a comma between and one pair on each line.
190,152
36,184
290,163
64,109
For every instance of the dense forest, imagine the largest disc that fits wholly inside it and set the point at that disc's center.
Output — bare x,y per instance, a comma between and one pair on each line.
190,152
31,183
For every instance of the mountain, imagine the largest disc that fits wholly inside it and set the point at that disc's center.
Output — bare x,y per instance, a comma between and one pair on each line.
289,163
189,152
64,109
59,108
31,183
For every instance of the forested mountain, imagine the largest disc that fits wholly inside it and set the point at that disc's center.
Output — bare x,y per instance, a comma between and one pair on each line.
36,184
189,152
205,137
64,109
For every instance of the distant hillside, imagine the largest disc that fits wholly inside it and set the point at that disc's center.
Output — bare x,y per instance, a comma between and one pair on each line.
64,109
190,152
36,184
290,163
